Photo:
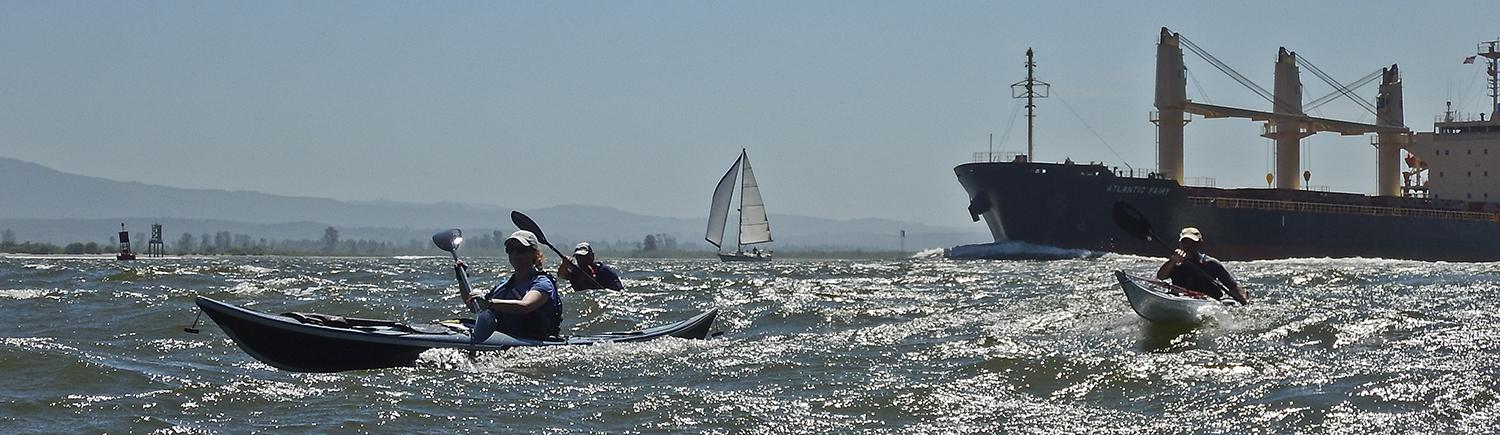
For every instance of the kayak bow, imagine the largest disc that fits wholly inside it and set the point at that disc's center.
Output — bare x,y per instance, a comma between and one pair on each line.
1157,301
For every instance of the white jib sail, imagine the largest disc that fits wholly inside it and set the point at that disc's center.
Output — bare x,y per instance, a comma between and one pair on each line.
718,212
754,228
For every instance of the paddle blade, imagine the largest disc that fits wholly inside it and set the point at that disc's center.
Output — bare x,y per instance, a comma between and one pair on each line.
1131,221
524,222
448,240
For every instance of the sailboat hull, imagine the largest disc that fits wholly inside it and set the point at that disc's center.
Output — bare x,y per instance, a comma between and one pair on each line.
744,256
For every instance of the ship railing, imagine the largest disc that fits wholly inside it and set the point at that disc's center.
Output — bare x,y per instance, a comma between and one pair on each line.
1200,181
1134,173
1366,210
991,157
1460,117
1150,174
1489,49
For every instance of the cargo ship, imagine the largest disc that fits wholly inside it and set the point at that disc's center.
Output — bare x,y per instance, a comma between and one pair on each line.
1439,208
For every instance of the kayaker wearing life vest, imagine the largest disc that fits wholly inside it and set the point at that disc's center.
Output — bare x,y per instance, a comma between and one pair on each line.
524,304
1208,269
602,274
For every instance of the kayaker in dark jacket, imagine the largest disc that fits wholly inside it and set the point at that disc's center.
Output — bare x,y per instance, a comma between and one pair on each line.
585,264
1203,277
524,304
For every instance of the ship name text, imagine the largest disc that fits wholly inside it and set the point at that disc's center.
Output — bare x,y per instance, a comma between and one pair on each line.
1137,190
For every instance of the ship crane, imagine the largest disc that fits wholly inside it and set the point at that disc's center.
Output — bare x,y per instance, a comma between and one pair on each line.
1339,89
1346,91
1287,122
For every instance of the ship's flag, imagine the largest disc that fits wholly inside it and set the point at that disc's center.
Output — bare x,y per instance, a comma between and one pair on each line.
1413,162
1468,60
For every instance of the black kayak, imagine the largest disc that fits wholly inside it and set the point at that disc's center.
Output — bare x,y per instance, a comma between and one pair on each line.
301,342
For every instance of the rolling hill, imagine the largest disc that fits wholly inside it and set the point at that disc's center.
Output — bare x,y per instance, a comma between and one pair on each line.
45,205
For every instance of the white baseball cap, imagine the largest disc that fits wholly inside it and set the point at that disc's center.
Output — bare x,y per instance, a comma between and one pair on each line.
1191,233
522,238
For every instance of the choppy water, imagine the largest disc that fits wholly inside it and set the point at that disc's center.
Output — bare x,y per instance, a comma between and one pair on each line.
1340,346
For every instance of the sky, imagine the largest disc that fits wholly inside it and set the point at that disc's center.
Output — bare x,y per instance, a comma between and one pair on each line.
847,109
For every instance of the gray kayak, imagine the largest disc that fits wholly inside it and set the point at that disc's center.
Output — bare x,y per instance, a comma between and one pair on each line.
1162,302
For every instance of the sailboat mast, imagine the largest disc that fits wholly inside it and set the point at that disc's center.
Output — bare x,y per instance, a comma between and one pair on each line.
739,236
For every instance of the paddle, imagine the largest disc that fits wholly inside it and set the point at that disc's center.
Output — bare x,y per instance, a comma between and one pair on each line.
450,240
524,222
1134,222
194,329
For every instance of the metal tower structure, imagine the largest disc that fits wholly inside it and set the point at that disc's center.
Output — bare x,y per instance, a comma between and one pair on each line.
1490,50
156,248
1028,89
1286,122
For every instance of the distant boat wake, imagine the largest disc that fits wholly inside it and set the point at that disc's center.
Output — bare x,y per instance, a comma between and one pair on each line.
1013,250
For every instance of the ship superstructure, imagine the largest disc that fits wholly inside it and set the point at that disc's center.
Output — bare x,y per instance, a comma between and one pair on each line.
1460,158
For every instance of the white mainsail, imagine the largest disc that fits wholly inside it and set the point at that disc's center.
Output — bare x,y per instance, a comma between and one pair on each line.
718,212
754,228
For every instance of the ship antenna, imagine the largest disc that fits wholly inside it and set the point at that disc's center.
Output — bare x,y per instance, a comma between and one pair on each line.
1491,51
1028,89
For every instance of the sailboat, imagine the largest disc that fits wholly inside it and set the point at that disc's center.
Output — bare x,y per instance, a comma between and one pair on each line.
754,228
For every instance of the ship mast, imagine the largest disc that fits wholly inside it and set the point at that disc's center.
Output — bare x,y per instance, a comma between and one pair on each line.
1028,89
1491,51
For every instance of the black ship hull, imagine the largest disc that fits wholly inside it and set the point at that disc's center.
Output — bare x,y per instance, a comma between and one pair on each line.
1069,206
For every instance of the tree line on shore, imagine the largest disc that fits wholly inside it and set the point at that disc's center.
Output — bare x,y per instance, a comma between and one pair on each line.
488,243
227,243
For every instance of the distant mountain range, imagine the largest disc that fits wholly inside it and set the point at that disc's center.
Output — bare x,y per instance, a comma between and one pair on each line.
41,204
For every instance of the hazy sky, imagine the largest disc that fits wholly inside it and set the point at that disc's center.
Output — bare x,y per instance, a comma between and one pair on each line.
848,109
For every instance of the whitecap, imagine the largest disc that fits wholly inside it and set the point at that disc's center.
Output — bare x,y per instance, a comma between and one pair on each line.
23,293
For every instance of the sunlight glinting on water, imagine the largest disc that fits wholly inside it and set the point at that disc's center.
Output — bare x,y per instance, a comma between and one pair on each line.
931,345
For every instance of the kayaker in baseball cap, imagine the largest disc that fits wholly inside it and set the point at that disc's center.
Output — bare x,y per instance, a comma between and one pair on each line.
524,303
1204,274
586,272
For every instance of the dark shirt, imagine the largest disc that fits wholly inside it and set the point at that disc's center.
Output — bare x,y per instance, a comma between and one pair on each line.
1185,276
545,321
602,273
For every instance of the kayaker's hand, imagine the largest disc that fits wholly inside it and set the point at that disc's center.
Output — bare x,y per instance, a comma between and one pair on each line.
1178,256
459,265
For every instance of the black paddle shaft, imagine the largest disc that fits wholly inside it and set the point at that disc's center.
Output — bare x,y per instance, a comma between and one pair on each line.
524,222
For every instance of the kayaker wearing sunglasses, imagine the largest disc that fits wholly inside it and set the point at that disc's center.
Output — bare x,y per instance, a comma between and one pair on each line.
524,304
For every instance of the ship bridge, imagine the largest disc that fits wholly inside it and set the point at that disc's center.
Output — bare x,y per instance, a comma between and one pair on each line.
1462,153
